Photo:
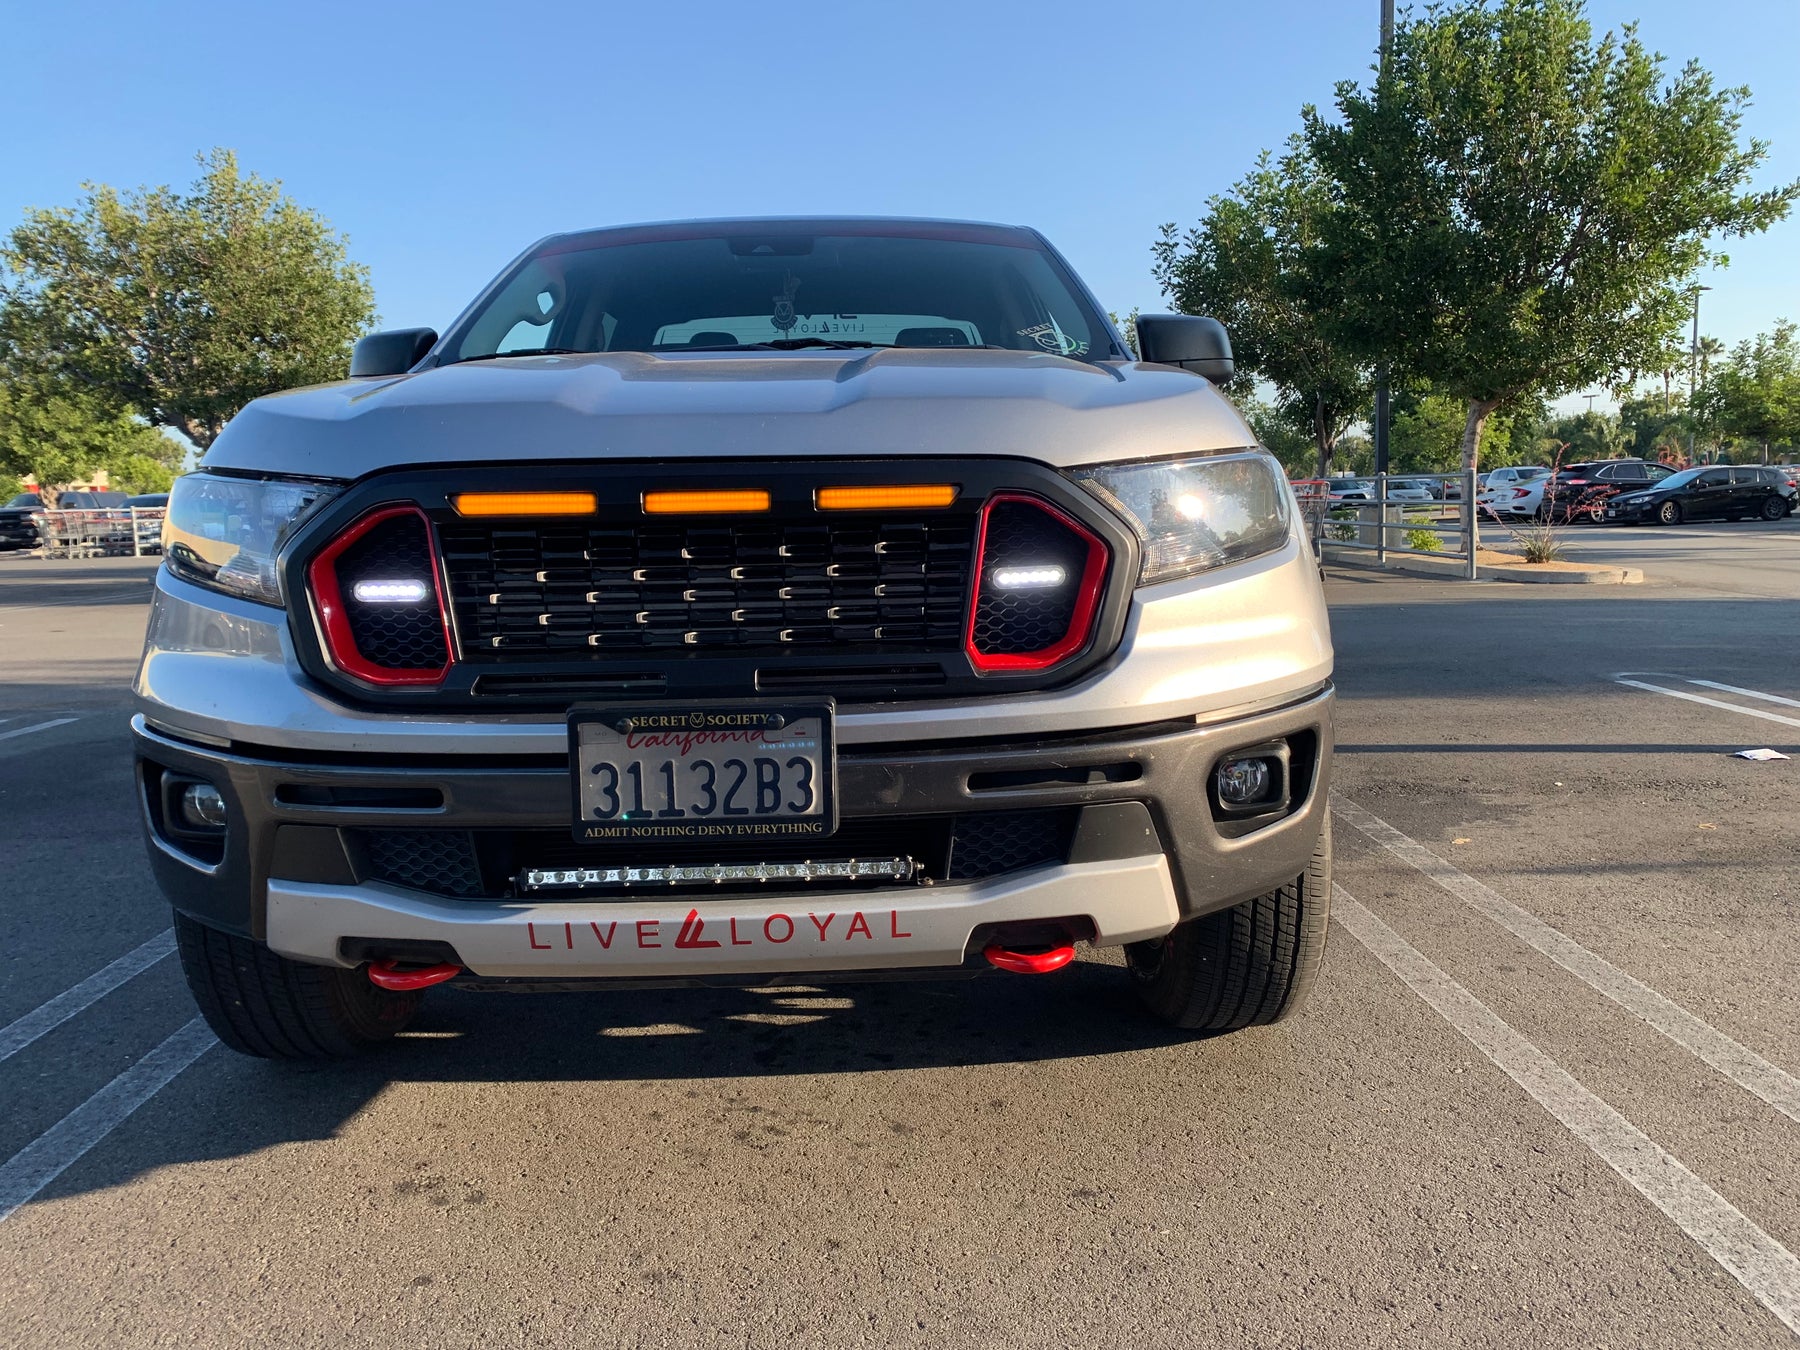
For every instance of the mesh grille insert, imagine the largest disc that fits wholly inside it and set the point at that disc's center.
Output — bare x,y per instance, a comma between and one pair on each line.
441,861
394,636
1017,622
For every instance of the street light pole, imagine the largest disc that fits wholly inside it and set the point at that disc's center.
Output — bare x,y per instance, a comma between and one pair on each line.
1694,369
1381,371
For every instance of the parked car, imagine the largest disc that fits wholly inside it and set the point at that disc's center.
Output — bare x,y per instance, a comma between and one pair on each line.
1352,490
1580,491
1514,492
1409,490
1720,492
17,528
560,685
147,512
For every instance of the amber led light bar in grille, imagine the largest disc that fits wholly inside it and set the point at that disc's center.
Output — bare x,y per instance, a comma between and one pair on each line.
525,503
705,501
880,498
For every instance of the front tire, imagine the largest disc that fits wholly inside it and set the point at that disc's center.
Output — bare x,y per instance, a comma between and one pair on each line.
1247,966
1669,513
265,1005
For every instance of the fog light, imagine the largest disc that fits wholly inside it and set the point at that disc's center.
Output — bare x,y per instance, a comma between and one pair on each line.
1242,781
202,807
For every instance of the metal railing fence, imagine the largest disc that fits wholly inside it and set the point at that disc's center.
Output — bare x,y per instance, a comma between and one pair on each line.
1364,515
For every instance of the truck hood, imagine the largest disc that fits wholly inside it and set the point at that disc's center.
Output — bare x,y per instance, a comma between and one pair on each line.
658,406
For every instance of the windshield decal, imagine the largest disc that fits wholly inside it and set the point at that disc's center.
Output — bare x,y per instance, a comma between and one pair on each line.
1052,339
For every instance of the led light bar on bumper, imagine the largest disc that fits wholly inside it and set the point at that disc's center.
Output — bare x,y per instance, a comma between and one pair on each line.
1196,514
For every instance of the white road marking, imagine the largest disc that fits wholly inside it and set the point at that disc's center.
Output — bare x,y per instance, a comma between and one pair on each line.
48,1156
1739,1063
1768,1270
16,1035
64,721
1748,693
1710,702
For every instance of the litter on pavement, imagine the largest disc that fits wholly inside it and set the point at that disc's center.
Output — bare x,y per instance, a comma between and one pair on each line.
1764,753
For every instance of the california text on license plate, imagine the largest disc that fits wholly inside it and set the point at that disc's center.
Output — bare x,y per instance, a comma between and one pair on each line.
703,771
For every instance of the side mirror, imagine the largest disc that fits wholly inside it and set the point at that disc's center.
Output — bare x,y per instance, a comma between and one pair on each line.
391,353
1187,340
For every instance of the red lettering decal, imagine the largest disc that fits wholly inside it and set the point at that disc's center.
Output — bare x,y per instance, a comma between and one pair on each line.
735,940
569,936
769,928
894,924
531,937
606,937
653,926
822,926
859,922
691,929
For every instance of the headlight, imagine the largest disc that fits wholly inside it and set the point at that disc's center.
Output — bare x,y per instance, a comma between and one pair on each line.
1195,514
225,532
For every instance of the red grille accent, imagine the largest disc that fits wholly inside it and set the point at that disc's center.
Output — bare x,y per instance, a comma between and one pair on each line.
339,629
1001,628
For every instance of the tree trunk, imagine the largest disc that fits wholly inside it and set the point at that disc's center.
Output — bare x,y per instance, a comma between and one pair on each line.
1322,436
1472,425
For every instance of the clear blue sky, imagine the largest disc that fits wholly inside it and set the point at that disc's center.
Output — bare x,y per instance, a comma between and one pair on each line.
444,137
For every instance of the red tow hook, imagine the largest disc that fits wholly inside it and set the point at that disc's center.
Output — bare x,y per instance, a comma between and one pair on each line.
388,975
1029,963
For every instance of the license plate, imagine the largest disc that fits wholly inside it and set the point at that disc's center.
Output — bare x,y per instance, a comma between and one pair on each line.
703,771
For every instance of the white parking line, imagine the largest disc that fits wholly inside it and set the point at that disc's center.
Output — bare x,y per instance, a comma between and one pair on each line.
18,1034
1709,702
1739,1063
48,1156
1768,1270
1748,693
64,721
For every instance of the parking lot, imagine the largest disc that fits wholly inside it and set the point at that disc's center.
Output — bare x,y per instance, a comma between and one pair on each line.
1545,1092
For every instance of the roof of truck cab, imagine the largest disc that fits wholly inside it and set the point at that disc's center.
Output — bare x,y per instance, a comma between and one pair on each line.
891,227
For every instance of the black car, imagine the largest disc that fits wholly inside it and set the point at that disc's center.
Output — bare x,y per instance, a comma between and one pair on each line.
17,528
1718,493
1580,491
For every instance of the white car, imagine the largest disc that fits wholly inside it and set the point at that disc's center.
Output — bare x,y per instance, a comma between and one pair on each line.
1407,490
1513,493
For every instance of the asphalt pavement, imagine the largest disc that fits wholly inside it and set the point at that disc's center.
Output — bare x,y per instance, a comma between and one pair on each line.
1544,1093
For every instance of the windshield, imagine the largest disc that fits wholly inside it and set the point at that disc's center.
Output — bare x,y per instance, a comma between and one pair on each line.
1682,479
785,289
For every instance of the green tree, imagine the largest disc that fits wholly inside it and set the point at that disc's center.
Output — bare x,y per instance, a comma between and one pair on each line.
183,307
1589,435
1754,395
58,433
1250,264
1655,425
1425,435
1278,435
1519,206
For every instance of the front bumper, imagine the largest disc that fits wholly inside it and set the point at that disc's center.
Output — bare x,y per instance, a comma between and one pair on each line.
1147,848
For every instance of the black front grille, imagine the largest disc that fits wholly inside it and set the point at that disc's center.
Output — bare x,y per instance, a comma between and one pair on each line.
395,636
557,588
1021,535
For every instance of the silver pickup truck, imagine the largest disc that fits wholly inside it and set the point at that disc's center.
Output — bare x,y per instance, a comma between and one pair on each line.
744,602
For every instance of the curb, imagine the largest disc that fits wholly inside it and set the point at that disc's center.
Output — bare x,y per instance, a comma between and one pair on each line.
1591,574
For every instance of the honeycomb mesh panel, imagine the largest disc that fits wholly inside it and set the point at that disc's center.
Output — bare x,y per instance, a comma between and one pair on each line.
396,637
1013,623
988,843
440,861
